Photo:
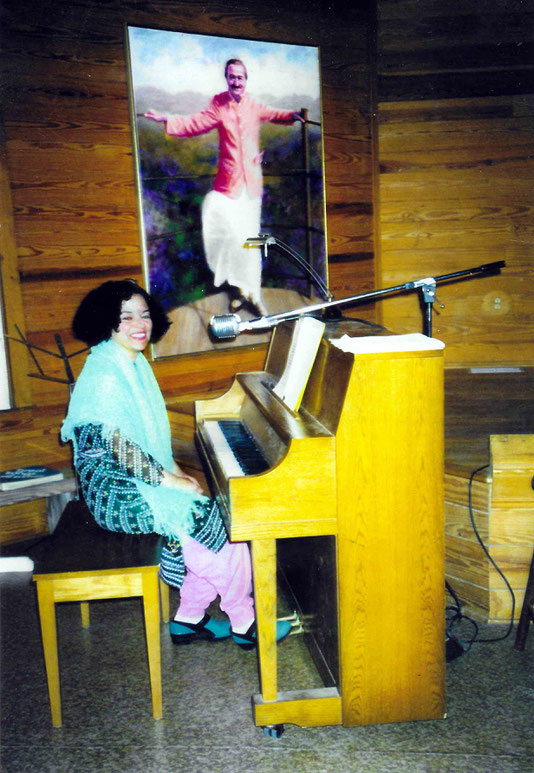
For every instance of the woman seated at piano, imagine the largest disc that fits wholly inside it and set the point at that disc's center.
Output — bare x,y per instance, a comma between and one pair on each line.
118,424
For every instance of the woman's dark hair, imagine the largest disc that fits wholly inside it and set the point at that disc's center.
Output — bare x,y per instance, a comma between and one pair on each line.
99,312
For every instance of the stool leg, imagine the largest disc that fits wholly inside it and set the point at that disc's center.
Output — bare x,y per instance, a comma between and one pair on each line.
153,644
84,610
47,615
164,597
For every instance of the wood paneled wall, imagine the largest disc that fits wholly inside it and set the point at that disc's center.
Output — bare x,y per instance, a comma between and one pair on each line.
71,166
456,150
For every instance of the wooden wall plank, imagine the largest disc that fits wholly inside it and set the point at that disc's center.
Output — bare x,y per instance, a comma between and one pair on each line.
456,150
458,525
466,559
457,492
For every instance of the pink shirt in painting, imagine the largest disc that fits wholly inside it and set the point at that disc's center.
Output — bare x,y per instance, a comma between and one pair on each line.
238,124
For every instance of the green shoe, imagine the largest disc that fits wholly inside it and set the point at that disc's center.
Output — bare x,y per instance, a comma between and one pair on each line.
247,641
206,630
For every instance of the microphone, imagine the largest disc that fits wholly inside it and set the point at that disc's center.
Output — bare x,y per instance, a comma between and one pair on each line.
224,326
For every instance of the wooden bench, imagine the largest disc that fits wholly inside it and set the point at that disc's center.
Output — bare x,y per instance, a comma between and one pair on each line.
33,511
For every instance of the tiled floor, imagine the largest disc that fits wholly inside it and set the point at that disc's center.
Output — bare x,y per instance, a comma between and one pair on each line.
207,723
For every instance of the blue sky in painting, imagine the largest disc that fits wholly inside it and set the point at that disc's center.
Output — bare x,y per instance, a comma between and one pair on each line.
176,62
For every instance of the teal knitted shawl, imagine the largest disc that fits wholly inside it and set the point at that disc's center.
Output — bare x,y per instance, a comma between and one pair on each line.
123,394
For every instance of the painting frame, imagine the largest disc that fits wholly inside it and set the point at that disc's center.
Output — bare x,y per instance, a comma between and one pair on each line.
174,173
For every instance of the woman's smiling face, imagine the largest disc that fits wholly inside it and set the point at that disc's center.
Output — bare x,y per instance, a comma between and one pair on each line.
135,327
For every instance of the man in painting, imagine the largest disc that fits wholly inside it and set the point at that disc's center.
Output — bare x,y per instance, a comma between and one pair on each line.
231,212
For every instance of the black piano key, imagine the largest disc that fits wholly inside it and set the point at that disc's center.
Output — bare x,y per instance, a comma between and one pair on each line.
244,447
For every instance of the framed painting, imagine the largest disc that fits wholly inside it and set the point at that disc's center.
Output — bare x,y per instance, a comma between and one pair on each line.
228,146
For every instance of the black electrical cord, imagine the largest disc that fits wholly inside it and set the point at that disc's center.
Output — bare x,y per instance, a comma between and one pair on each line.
456,618
490,559
457,615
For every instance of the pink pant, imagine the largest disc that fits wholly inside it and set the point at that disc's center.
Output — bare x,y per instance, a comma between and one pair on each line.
226,573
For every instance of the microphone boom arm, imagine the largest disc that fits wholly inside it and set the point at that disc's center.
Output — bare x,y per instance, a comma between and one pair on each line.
231,325
493,268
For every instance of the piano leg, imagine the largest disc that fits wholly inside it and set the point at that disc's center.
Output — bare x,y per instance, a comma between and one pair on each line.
264,567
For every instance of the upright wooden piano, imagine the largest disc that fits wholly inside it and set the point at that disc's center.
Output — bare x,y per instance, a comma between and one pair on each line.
360,465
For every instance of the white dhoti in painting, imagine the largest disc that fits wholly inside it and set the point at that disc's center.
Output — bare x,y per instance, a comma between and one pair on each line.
226,225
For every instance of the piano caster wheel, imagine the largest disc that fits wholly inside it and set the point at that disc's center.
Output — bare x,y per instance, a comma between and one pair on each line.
273,731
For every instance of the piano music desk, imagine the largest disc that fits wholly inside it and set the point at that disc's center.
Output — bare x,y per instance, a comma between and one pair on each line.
362,460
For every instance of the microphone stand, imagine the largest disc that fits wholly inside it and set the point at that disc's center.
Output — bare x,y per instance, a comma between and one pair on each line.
426,285
265,239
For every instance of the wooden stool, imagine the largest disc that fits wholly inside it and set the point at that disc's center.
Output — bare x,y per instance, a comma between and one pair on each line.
527,611
83,562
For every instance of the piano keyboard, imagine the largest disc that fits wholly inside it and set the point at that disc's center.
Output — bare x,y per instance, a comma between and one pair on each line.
235,448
